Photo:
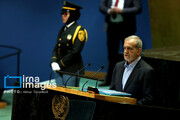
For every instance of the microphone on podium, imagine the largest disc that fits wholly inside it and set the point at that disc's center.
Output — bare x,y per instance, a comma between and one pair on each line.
76,72
50,77
91,89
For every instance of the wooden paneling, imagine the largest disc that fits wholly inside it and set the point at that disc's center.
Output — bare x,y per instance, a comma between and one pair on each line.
99,75
165,22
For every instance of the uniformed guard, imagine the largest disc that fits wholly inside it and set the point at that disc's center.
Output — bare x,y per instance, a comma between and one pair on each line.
70,42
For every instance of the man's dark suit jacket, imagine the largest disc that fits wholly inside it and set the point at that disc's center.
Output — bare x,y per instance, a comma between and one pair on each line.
131,8
139,83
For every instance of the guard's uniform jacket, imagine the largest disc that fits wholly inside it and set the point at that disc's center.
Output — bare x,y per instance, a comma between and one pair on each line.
67,51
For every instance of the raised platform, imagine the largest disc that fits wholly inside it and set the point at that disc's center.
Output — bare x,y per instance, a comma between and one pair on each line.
166,53
166,62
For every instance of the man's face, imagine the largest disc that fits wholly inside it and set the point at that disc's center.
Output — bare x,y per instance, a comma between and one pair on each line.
131,52
65,17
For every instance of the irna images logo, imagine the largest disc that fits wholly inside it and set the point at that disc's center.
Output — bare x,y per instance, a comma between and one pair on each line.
26,82
6,78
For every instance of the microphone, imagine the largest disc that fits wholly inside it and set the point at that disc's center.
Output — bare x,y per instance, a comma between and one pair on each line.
91,89
50,77
76,72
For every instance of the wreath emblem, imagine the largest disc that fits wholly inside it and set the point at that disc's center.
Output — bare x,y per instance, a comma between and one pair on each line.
60,106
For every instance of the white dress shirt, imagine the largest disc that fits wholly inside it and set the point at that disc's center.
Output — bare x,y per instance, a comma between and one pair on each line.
128,70
120,4
67,26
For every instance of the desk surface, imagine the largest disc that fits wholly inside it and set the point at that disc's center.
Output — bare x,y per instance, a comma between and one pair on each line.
116,99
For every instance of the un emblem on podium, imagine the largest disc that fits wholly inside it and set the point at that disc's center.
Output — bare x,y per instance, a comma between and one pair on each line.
60,106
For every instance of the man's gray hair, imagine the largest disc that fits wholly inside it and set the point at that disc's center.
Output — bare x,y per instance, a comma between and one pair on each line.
138,40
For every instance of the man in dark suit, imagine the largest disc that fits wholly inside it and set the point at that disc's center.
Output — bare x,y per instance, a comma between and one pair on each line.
120,22
134,75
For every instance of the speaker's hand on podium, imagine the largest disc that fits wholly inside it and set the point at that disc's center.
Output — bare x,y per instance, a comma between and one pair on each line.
55,66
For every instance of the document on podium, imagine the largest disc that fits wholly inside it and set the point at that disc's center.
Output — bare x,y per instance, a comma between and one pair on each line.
113,92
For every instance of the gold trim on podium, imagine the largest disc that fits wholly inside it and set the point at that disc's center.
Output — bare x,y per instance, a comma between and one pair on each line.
116,99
